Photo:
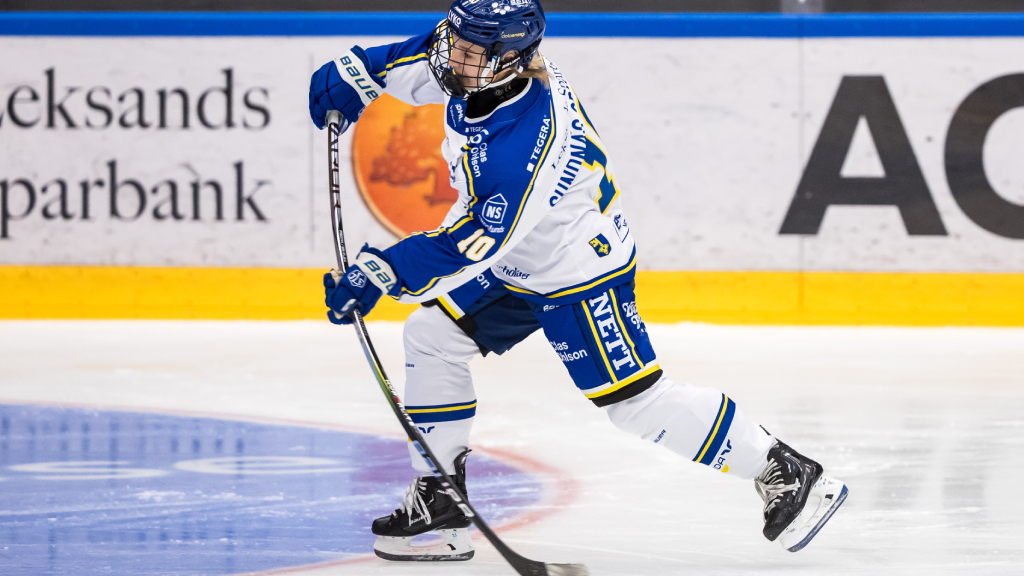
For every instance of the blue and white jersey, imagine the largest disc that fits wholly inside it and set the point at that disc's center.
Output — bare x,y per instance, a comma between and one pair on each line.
538,204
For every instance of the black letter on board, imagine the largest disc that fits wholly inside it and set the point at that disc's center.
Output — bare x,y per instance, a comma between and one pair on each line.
903,185
965,169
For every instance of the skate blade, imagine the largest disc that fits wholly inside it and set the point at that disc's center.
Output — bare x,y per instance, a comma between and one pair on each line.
455,546
830,495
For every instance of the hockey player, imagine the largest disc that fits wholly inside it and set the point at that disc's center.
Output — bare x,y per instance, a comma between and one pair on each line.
537,240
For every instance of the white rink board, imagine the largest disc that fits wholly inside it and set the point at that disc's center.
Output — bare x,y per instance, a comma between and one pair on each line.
709,138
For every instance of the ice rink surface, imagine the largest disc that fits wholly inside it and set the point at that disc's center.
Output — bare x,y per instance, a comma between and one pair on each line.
926,426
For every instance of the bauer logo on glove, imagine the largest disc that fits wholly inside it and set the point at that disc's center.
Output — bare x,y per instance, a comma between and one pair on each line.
360,286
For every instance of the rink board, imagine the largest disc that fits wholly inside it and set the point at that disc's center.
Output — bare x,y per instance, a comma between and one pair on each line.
795,298
719,140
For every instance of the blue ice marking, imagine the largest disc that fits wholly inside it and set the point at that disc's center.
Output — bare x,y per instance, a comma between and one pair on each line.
103,492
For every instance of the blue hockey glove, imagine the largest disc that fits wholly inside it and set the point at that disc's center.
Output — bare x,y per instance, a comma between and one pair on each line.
345,85
348,291
360,286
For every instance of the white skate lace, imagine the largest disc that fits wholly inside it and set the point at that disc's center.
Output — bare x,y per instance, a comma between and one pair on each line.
769,487
413,502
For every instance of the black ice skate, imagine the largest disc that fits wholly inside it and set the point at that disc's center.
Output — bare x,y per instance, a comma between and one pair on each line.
426,507
798,499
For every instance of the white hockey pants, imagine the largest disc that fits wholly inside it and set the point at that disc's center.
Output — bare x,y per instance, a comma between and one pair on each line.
700,424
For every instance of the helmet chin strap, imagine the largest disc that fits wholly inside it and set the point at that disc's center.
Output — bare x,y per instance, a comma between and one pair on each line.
493,68
502,82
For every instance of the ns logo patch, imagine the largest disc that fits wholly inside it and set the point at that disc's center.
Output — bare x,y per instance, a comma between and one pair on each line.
494,209
601,246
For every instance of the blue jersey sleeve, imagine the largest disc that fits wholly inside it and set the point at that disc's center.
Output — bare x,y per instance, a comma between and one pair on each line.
505,179
402,68
424,258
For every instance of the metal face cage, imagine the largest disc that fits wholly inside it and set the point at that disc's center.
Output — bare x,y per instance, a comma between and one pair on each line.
461,67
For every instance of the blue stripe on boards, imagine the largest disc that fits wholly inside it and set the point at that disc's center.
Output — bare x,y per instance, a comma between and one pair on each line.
217,23
723,431
785,25
559,24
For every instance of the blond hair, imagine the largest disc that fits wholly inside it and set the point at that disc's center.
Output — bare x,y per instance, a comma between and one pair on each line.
537,70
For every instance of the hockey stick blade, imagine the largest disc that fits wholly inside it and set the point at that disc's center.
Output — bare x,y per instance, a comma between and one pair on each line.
336,125
566,570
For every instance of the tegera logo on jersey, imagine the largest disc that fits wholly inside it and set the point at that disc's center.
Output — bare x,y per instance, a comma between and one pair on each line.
494,210
542,139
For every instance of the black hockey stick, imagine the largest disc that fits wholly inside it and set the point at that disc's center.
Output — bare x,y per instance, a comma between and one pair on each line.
522,565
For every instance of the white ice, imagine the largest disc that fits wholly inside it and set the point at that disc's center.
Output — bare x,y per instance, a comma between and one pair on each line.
926,426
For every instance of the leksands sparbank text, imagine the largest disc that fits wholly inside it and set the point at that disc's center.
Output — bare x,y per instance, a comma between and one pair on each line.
50,104
119,197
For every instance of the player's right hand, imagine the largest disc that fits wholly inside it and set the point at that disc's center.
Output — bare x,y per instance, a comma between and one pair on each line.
349,94
349,291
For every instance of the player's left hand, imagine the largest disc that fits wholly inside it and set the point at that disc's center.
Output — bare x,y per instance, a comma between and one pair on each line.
348,291
348,93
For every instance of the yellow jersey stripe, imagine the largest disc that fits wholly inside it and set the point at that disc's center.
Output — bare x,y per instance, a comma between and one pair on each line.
625,331
651,369
718,423
472,193
600,348
632,264
614,198
431,283
533,180
449,307
448,409
459,224
607,172
582,115
469,182
407,59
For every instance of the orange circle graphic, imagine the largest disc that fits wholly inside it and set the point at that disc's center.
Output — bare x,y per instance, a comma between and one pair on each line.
398,167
